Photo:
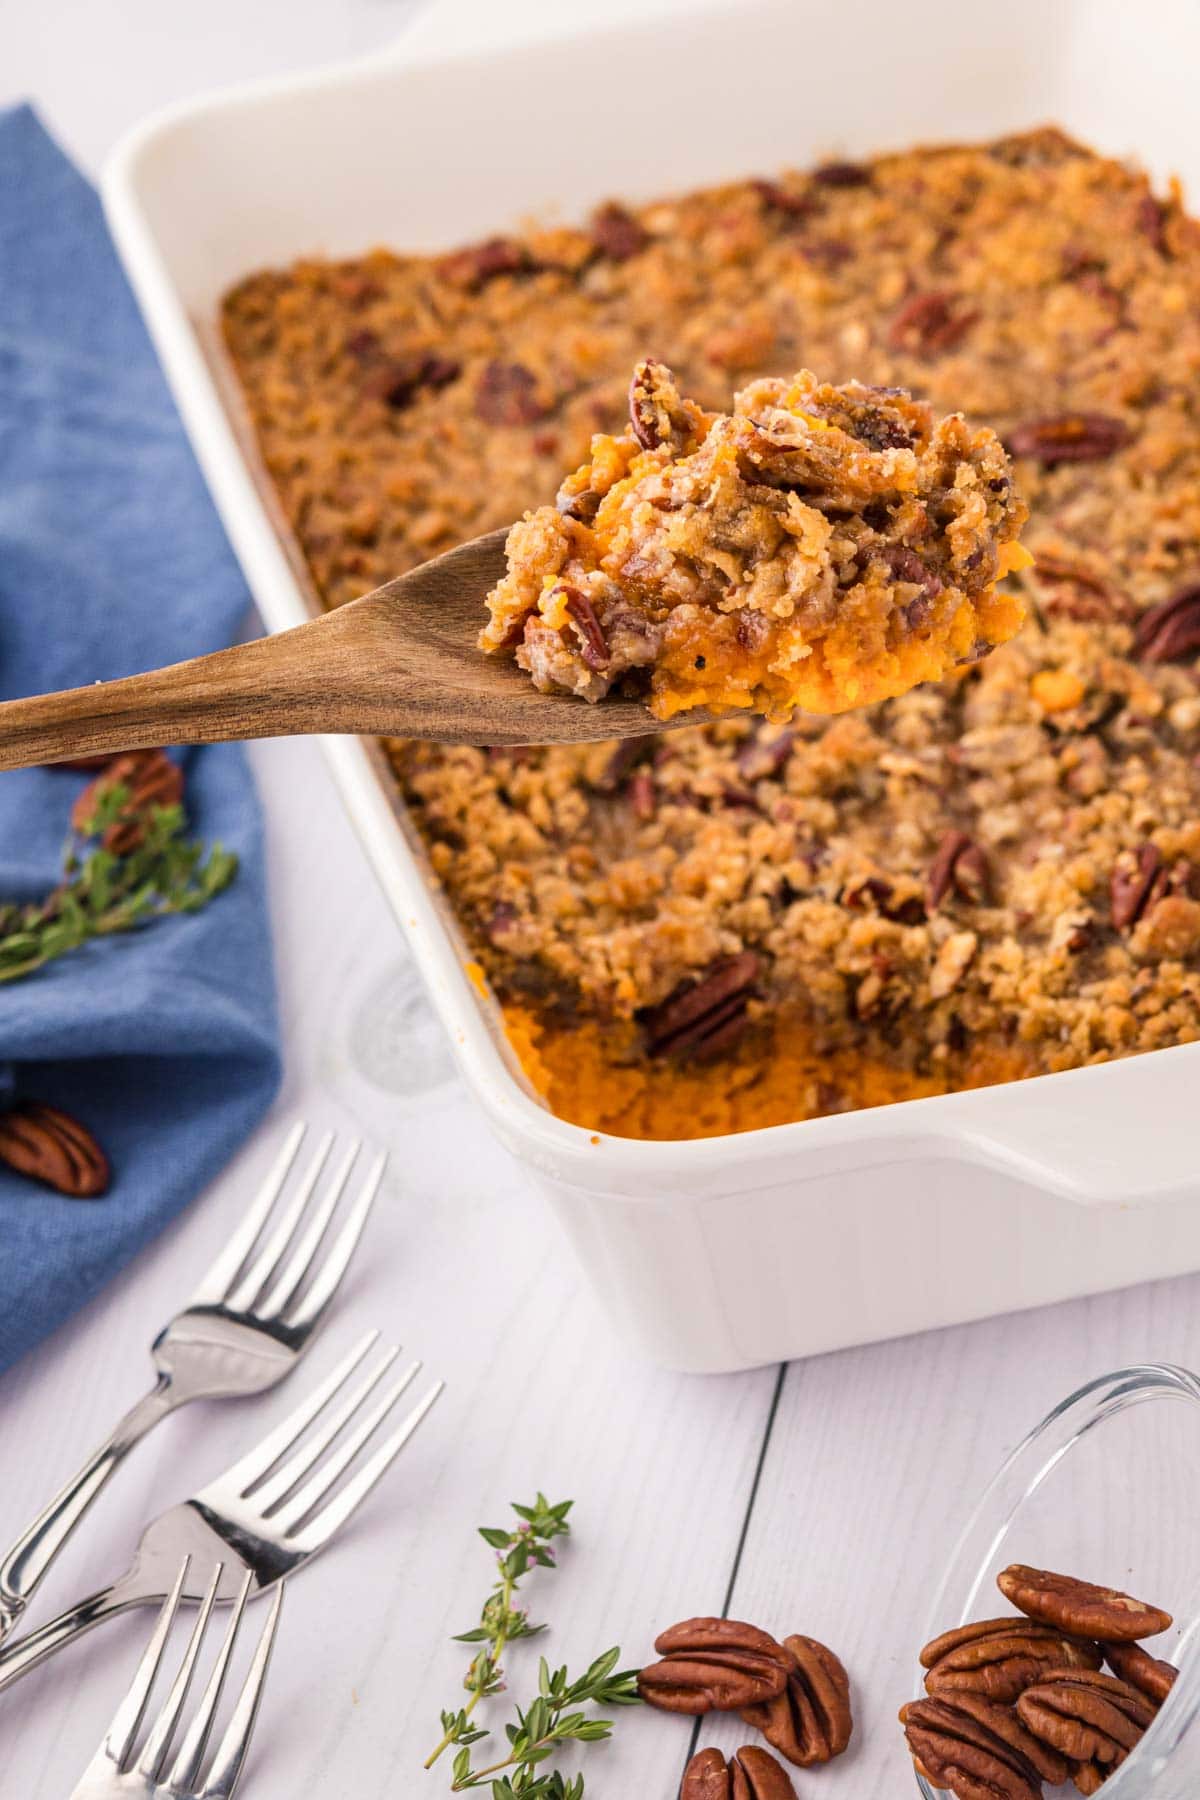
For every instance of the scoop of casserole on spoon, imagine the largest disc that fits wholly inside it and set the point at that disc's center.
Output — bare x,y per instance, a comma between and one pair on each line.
820,548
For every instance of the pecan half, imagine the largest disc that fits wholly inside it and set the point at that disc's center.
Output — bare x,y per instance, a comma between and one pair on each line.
707,1777
49,1146
1079,1607
477,264
1069,437
704,1016
1130,886
959,865
1146,1673
1086,1716
1004,1723
149,779
1170,632
757,1776
930,322
957,1752
593,644
1000,1658
616,233
507,395
713,1665
750,1774
811,1721
1088,1777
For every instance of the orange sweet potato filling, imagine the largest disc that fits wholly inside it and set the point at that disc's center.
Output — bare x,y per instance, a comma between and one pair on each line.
581,1076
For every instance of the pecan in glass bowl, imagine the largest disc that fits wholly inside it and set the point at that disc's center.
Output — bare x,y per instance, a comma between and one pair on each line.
1104,1488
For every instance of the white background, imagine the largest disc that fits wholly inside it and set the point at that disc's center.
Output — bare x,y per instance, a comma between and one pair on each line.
820,1498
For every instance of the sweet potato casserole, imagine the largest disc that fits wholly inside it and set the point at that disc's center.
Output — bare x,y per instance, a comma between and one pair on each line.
744,923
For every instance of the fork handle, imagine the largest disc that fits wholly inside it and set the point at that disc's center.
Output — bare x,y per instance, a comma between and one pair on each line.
25,1564
28,1651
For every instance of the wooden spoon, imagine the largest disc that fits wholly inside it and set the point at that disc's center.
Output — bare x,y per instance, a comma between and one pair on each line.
400,662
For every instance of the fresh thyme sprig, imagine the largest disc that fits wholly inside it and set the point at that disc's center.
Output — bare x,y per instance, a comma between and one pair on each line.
549,1722
545,1727
500,1623
102,892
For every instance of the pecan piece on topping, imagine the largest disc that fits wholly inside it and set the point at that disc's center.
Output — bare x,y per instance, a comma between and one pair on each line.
507,395
1000,1658
955,1751
842,175
761,757
706,1015
616,233
906,565
1148,1674
1170,632
398,380
1069,437
1136,876
961,865
1079,1607
789,201
1086,1716
811,1721
149,779
1075,592
623,759
474,267
1150,216
583,505
711,1665
656,413
593,643
930,322
49,1146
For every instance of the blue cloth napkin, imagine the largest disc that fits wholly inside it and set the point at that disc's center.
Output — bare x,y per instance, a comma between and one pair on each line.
112,559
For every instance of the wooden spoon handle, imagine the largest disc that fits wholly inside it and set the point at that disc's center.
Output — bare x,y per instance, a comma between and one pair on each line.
273,687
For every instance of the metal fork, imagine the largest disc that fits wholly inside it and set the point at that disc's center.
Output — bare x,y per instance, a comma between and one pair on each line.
245,1328
115,1774
267,1515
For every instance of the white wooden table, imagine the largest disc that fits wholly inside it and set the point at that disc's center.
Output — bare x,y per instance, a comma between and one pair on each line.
819,1498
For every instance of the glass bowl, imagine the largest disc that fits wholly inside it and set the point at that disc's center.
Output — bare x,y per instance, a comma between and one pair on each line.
1107,1488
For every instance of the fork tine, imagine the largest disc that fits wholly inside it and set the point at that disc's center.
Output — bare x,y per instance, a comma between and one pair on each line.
336,1260
122,1733
331,1518
159,1742
231,1754
185,1771
260,1460
250,1284
284,1286
306,1498
269,1494
221,1276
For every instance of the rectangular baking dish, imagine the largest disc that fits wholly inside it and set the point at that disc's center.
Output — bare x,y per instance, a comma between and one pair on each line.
744,1249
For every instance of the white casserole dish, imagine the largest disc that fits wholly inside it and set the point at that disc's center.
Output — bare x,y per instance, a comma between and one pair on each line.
731,1251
